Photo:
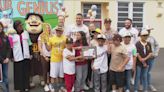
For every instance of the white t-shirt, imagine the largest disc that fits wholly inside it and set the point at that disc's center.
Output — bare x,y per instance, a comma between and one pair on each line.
134,33
20,52
44,49
101,62
131,48
68,66
71,32
93,42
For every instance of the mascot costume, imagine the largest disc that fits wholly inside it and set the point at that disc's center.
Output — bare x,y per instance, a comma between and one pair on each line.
33,23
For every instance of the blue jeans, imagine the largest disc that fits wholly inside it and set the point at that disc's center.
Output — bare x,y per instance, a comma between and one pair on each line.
3,87
128,74
141,71
5,76
151,64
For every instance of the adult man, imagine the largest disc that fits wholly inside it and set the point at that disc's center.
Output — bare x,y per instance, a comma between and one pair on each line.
132,30
79,26
155,49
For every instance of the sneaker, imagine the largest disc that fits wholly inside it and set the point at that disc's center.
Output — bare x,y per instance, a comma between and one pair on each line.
73,89
86,87
51,88
127,90
152,88
90,85
42,83
60,90
26,90
132,81
32,85
63,89
113,91
46,88
140,88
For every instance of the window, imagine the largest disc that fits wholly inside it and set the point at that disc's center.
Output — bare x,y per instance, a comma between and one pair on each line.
132,10
87,6
97,21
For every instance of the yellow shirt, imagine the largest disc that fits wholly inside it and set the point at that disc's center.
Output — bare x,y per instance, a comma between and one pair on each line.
57,46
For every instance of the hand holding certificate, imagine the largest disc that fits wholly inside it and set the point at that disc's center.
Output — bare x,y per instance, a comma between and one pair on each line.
89,52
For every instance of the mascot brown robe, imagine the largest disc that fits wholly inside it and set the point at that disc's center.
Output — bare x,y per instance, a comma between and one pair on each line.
33,23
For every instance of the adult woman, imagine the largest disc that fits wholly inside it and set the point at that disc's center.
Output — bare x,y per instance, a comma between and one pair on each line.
45,54
21,54
4,56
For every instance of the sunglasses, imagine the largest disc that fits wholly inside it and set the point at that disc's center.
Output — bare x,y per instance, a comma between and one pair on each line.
145,35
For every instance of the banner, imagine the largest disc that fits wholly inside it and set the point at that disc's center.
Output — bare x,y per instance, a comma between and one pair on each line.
17,9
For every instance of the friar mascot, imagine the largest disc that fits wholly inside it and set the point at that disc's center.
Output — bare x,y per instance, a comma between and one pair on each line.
33,24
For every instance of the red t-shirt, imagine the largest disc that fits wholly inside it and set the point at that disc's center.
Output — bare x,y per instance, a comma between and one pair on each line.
78,53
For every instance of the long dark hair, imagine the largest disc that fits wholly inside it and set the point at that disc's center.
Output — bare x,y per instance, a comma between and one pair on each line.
83,40
2,33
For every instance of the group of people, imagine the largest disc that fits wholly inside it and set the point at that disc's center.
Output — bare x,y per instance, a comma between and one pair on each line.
123,57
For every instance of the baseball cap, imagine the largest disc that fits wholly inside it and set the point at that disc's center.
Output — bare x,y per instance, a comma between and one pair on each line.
147,27
101,36
97,30
59,28
144,32
127,34
69,41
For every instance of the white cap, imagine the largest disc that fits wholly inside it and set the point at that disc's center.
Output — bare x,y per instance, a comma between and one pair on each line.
147,27
127,34
144,32
101,36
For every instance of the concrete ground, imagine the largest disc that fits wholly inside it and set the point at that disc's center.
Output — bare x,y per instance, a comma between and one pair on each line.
157,75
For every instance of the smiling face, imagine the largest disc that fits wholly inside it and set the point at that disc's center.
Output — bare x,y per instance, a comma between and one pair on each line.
33,24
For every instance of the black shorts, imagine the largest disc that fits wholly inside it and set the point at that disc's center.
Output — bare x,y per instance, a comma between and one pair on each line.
117,78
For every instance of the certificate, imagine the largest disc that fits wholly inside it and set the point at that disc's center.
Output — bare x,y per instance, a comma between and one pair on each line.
89,52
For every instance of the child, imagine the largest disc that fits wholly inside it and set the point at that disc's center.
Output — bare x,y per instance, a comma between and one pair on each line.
56,45
100,65
94,40
93,43
69,64
45,54
144,54
81,66
119,59
132,53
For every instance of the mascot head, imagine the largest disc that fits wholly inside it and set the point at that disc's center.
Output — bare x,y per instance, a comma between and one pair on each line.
33,23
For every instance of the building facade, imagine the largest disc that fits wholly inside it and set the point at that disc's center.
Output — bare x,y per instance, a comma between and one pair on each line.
142,12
